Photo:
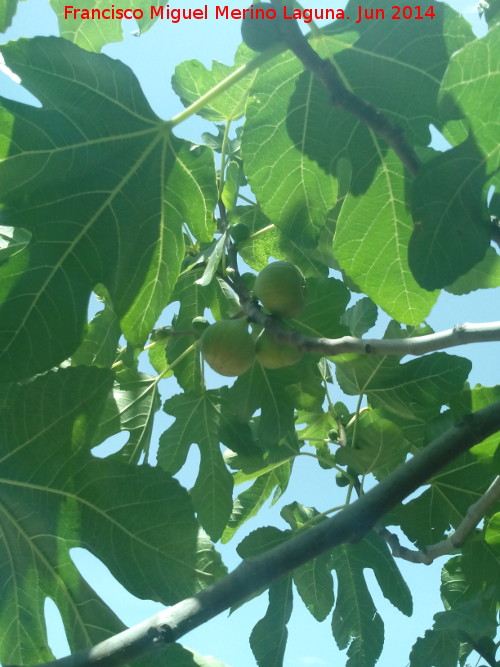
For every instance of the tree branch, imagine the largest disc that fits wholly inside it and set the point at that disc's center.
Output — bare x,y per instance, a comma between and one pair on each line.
349,525
427,555
461,334
344,99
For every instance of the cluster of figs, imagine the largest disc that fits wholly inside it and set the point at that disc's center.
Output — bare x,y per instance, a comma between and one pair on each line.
230,349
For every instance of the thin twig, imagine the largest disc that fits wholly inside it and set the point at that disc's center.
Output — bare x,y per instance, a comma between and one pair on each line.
428,555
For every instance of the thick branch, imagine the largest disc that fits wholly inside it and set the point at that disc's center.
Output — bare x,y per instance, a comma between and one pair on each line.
349,525
344,99
427,555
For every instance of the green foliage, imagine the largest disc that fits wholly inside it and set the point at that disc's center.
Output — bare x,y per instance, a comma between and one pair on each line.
101,198
355,622
106,506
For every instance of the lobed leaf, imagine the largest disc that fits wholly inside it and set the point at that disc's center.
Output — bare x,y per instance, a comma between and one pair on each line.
197,420
484,275
313,580
292,190
416,388
94,33
7,11
379,446
276,393
361,317
192,80
470,88
268,638
249,502
95,141
130,406
452,228
444,504
99,346
356,622
193,299
372,236
56,496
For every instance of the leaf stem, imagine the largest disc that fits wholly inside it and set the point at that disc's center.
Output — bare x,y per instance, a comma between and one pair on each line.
249,201
225,84
223,155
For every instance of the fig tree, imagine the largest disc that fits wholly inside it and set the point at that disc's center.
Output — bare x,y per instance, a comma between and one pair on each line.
272,354
227,347
280,287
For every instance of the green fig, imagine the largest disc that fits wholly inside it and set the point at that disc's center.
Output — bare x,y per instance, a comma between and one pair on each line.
248,280
341,479
280,287
228,348
333,435
239,232
258,30
272,354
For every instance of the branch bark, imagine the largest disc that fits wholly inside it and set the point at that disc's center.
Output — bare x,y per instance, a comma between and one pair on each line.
349,525
461,334
344,99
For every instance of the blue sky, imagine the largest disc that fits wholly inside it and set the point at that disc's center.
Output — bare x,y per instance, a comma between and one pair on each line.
153,57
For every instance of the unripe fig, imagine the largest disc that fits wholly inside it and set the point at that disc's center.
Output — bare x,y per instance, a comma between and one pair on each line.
248,280
280,287
261,33
239,232
326,459
341,479
271,354
228,348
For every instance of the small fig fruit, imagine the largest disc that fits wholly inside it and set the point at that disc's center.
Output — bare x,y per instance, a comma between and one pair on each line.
341,479
272,354
228,348
240,232
280,287
261,33
248,280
